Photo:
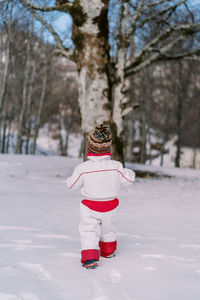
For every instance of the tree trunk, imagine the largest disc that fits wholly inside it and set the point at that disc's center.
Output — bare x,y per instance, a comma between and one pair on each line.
66,142
118,94
90,36
179,132
81,150
41,104
24,100
149,143
67,121
60,138
130,138
99,101
143,139
179,115
119,87
194,158
4,80
29,104
8,135
4,132
10,118
117,143
166,135
197,144
85,146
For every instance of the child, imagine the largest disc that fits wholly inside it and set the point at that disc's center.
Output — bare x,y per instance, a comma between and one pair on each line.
99,179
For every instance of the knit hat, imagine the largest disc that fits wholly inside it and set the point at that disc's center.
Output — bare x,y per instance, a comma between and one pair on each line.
100,141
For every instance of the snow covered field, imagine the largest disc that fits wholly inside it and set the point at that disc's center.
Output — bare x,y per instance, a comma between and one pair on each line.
158,254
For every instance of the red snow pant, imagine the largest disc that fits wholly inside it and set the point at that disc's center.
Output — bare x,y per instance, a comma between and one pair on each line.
97,233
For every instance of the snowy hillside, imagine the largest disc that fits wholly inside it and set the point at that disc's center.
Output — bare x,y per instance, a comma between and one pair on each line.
158,254
46,145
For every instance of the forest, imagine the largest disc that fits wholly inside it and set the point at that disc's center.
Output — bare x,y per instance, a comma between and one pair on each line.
132,64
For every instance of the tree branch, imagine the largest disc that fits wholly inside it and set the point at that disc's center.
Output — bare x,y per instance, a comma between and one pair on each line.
48,27
154,56
68,54
156,3
47,8
160,13
140,9
158,16
189,11
137,14
191,54
149,48
193,58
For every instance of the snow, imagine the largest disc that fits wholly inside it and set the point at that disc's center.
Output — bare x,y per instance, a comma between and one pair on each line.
158,255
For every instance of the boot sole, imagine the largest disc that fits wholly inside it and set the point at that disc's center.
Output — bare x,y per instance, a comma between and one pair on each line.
91,266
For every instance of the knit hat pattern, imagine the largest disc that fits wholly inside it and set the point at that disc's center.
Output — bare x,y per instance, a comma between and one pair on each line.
100,141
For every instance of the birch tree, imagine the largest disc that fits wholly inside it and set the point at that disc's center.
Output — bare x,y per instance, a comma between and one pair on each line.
27,74
104,72
29,106
5,79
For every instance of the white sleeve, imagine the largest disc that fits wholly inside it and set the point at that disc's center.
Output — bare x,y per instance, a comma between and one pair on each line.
75,182
127,176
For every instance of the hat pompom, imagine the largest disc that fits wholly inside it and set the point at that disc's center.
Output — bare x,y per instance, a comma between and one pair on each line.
102,133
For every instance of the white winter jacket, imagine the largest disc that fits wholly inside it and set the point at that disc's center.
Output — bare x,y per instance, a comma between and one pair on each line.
100,178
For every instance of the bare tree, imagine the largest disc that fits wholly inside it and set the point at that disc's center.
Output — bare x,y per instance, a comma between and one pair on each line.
103,78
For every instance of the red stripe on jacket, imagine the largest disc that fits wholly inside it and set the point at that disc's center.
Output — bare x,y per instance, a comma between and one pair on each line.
99,171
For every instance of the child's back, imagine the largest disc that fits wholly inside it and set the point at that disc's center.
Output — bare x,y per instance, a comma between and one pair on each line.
100,177
99,180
